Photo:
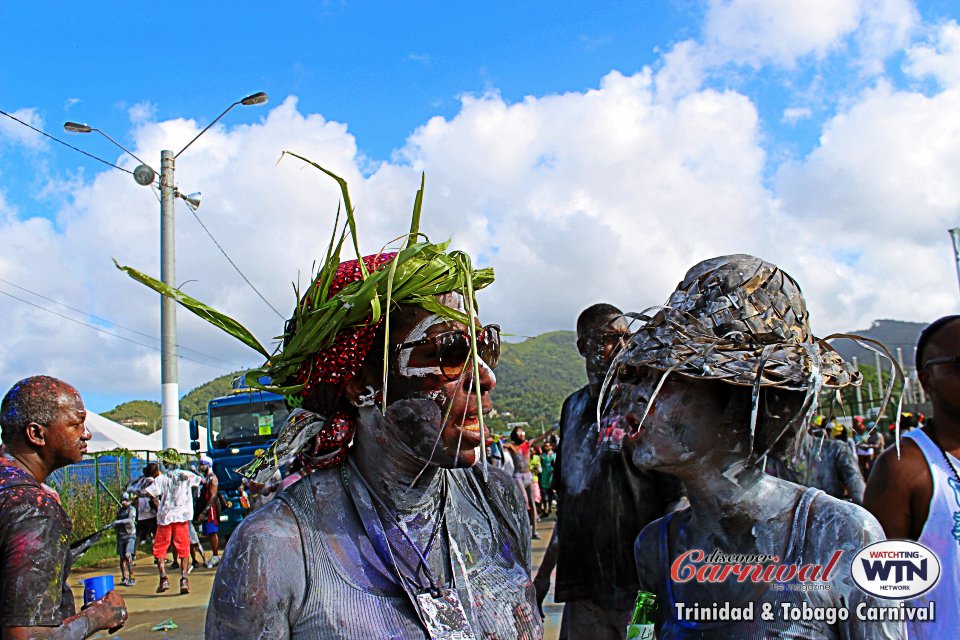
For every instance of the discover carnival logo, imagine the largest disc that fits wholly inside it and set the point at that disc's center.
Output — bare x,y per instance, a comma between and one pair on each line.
895,569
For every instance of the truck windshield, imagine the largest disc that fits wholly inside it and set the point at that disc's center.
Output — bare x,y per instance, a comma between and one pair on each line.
250,422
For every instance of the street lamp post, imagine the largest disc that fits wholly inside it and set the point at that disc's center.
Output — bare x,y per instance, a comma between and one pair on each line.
144,175
955,240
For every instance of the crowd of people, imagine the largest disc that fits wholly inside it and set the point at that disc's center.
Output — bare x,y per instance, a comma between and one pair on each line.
696,431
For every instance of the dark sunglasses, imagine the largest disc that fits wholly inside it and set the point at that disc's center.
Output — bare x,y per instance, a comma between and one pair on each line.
453,348
954,360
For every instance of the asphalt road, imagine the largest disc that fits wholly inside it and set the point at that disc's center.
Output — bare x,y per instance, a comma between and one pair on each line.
148,609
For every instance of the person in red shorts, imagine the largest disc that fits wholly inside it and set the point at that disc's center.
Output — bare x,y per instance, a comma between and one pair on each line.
173,490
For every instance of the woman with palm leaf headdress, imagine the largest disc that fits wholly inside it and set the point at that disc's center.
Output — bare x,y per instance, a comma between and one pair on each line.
406,533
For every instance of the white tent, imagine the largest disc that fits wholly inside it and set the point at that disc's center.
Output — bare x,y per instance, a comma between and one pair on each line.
183,438
108,435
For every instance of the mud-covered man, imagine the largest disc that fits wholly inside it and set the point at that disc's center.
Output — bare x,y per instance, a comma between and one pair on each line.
605,500
42,421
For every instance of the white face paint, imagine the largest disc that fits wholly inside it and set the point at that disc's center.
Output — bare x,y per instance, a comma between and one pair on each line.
418,333
455,301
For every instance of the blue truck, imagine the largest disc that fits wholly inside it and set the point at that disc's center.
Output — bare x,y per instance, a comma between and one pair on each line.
239,426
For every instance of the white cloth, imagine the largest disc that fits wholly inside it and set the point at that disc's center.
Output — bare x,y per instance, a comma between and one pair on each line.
173,490
941,534
145,509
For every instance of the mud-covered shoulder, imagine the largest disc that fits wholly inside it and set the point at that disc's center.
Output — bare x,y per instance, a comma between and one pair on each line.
261,581
503,491
646,555
838,526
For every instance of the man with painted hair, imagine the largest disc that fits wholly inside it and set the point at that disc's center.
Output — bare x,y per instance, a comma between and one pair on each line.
915,492
43,428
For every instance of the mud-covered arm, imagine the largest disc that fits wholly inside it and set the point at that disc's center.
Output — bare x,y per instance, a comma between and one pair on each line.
834,526
542,582
850,475
261,582
107,613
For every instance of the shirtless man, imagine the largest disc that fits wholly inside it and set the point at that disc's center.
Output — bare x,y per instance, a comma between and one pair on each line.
916,494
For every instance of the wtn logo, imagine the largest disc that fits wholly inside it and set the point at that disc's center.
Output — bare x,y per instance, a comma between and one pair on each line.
895,569
902,569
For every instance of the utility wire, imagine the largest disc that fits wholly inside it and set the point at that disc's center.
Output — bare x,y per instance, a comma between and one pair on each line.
110,164
115,324
44,133
110,333
233,264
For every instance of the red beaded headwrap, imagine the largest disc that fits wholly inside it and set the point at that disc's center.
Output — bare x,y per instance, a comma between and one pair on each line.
337,365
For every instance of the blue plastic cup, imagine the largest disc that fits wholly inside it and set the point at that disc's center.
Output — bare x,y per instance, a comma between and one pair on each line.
96,587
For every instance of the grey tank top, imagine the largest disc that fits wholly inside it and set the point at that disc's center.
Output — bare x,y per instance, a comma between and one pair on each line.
501,602
777,629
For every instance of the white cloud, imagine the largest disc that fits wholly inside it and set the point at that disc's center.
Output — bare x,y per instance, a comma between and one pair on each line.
873,203
608,194
758,32
142,112
792,115
16,133
939,58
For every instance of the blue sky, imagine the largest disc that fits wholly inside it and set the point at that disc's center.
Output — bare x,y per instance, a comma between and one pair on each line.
382,68
559,139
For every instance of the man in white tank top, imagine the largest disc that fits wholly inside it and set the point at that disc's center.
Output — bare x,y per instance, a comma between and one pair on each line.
918,496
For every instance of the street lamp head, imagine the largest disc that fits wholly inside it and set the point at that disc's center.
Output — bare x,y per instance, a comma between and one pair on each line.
144,175
257,98
192,200
76,127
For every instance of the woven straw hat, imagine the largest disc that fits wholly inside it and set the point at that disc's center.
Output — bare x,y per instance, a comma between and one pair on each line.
740,320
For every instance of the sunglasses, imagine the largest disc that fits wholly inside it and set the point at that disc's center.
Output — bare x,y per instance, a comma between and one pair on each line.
453,348
954,360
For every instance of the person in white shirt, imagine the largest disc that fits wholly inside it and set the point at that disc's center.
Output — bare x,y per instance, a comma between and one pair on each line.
146,509
173,490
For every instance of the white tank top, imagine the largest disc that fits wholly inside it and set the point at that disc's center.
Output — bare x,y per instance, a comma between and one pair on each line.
941,533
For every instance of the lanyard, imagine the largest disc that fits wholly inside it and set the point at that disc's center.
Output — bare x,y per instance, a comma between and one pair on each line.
439,607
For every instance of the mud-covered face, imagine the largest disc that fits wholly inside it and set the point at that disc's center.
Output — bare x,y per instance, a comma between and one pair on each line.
599,343
435,370
685,425
66,435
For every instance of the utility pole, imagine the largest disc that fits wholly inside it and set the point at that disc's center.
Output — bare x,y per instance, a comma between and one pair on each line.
169,378
145,175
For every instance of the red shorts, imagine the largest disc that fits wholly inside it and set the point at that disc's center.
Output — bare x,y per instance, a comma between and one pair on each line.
181,539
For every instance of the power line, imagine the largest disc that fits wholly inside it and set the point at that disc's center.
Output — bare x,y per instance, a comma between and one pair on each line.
110,333
55,139
233,264
110,164
115,324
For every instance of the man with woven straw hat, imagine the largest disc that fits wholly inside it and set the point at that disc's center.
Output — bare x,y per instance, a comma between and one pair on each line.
726,372
400,531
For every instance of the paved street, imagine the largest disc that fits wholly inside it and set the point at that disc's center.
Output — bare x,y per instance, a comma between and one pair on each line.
148,608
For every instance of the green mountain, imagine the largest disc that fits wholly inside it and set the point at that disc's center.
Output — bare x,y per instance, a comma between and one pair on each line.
534,377
139,415
195,402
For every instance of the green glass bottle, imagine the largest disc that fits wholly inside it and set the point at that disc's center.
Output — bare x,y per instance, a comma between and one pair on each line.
644,615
